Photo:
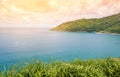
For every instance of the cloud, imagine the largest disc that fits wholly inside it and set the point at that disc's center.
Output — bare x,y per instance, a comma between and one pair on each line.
55,11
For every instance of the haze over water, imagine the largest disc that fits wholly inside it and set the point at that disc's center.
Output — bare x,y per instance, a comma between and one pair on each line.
21,44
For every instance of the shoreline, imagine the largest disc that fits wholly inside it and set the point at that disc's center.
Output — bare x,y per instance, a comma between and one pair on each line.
107,33
88,32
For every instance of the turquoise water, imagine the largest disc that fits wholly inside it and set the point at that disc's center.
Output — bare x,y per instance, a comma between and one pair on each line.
17,45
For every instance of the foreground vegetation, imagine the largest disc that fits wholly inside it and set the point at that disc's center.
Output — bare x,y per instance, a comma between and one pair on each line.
110,24
77,68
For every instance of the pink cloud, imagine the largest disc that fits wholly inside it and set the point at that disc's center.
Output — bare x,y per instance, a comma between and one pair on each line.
55,11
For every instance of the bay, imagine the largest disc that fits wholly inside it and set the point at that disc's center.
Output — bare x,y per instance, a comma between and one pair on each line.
21,44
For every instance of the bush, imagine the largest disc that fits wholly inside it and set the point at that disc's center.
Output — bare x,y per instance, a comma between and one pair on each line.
77,68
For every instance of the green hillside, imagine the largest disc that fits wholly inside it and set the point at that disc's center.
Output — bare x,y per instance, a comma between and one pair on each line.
110,24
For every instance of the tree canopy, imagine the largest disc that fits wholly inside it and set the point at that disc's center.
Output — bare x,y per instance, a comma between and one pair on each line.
110,24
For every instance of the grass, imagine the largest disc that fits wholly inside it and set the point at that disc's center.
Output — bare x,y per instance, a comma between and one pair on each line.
78,68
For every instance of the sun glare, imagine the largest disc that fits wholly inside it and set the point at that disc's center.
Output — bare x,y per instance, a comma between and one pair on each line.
55,11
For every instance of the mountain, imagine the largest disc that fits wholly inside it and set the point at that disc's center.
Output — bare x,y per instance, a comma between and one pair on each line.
110,24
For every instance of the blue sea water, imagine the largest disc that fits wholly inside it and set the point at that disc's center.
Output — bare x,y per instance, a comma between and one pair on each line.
21,44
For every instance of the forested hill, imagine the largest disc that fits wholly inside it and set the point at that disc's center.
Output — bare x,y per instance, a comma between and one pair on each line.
110,24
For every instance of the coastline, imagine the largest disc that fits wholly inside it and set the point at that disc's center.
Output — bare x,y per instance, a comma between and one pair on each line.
88,32
107,33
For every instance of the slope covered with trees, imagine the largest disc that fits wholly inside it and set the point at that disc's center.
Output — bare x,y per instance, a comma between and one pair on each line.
110,24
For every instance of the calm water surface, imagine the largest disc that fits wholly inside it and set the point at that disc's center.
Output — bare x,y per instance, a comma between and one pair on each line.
18,45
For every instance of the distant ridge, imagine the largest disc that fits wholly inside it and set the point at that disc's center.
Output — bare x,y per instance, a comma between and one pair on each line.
109,24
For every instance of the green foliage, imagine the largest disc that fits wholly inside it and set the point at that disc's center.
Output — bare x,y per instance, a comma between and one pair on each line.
110,24
77,68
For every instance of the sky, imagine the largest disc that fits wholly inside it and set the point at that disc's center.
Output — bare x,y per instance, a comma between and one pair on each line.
50,13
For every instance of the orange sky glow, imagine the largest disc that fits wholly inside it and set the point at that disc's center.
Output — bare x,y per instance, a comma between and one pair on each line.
48,13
